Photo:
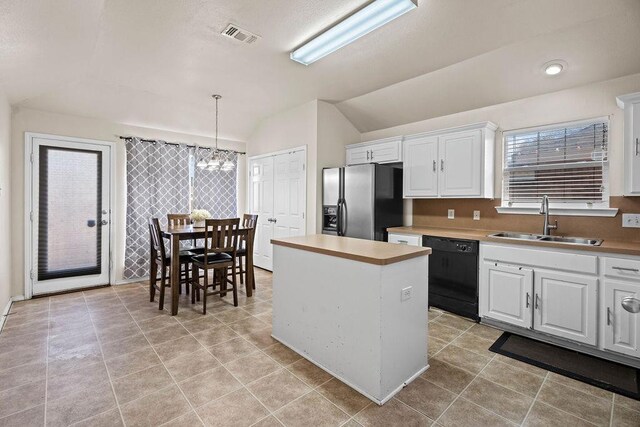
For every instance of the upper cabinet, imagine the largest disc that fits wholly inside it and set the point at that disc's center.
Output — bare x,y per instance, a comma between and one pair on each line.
381,151
631,105
455,162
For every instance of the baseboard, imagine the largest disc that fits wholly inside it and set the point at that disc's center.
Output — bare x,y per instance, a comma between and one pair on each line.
128,281
5,312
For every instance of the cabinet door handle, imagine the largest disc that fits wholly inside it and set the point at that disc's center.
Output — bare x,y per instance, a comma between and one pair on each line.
537,302
442,165
637,146
608,316
635,270
403,242
367,154
371,154
434,165
528,302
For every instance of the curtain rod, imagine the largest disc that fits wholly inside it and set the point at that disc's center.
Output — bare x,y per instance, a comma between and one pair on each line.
155,141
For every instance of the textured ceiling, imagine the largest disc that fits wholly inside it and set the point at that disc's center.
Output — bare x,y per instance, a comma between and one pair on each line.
155,63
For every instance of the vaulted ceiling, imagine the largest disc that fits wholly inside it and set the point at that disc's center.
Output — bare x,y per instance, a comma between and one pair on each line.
155,63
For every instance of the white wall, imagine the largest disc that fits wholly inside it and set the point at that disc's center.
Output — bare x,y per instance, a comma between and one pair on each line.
295,127
5,202
323,129
334,132
26,120
583,102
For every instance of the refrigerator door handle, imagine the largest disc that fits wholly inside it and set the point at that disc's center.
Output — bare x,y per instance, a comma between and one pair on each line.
344,217
338,218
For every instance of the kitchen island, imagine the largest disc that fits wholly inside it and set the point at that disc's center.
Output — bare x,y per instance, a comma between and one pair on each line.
355,308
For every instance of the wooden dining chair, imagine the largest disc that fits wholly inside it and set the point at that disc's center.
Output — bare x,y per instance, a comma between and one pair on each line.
248,221
161,260
221,242
185,219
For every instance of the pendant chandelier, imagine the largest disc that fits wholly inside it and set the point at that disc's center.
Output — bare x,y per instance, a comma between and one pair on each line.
219,159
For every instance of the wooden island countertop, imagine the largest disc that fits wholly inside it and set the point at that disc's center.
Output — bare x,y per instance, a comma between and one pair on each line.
369,251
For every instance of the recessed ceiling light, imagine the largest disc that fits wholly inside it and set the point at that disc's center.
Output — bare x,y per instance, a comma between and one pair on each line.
367,19
553,68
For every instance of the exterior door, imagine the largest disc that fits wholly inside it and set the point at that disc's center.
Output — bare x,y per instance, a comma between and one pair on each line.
420,168
70,213
289,200
565,305
622,328
507,293
460,164
261,203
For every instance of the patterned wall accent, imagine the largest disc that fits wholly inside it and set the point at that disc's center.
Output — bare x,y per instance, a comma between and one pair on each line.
216,191
157,184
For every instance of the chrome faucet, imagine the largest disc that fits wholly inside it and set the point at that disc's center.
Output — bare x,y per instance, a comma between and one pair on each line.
544,210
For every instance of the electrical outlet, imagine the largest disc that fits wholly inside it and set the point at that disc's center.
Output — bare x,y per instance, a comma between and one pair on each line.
476,215
406,293
631,220
451,214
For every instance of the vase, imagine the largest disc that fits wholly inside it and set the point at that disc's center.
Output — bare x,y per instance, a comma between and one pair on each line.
199,224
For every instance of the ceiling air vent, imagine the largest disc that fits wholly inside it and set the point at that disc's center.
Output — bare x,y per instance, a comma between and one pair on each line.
235,32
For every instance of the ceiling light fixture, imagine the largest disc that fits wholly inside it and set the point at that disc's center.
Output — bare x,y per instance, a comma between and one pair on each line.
219,158
367,19
555,67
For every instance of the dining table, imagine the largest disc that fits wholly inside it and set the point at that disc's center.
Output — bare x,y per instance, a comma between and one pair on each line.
176,233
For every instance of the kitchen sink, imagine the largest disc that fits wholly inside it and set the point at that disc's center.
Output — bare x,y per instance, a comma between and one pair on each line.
581,241
572,240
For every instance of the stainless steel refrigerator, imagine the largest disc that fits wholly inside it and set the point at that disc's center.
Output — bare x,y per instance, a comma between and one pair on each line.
361,201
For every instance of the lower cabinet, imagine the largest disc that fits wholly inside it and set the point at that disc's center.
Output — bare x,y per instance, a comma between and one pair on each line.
508,293
622,328
565,305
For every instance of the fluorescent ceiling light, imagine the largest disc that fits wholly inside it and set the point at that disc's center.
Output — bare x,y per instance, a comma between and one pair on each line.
367,19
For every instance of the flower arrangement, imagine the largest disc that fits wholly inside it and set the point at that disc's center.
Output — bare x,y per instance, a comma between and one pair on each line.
199,215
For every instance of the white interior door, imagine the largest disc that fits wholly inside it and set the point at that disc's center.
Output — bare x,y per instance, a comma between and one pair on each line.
289,200
277,194
261,203
69,220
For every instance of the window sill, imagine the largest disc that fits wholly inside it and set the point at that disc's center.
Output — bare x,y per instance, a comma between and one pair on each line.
602,212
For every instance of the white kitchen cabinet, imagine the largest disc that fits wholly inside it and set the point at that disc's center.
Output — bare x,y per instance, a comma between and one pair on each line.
631,105
460,164
420,167
381,151
405,239
454,162
566,305
622,329
507,292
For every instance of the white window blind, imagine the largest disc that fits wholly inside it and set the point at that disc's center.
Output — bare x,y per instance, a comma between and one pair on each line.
566,162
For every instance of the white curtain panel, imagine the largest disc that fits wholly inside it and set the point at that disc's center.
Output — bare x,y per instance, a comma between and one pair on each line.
216,191
157,184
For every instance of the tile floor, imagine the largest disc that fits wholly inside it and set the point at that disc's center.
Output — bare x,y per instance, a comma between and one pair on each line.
108,357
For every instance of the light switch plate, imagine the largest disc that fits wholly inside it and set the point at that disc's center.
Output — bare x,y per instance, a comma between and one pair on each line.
451,214
406,293
631,220
476,215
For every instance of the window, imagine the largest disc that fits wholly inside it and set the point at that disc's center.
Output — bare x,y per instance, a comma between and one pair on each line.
567,162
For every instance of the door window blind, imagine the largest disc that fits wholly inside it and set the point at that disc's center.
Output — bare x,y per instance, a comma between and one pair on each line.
566,162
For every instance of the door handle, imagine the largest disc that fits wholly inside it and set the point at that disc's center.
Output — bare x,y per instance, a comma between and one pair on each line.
344,214
528,303
441,165
637,146
367,154
608,316
635,270
434,165
371,154
537,304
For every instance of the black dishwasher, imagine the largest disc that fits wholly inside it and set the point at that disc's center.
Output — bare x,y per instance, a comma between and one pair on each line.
453,275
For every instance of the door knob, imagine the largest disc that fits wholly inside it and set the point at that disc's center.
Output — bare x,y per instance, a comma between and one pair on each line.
632,305
104,222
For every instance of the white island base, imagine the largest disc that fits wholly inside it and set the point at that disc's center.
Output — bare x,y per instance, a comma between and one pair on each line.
355,308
